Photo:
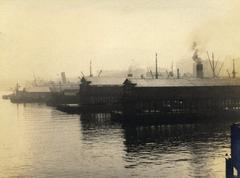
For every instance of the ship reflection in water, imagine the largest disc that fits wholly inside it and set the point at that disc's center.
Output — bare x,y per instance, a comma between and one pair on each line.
39,141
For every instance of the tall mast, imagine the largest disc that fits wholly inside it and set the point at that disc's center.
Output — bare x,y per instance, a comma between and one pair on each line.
91,69
213,64
156,67
234,72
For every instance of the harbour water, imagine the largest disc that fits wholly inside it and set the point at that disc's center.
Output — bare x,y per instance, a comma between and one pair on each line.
39,141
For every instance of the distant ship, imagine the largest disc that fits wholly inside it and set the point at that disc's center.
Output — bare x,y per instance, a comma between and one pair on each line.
46,92
39,94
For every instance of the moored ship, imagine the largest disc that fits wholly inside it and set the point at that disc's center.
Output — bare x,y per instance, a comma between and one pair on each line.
40,94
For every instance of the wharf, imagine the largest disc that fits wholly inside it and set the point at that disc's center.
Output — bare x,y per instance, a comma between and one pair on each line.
158,100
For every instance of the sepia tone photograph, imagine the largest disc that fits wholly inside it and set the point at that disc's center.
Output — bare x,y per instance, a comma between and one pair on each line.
119,88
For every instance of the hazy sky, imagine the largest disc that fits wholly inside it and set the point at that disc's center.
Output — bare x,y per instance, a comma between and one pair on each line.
50,36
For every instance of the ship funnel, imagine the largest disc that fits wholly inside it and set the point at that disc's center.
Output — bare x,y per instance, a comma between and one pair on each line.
198,66
199,70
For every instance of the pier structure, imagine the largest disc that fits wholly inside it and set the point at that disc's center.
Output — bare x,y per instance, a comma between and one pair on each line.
64,94
161,97
158,98
100,94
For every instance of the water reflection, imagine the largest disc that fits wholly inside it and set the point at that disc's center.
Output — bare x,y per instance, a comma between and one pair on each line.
103,144
39,141
177,150
185,150
98,121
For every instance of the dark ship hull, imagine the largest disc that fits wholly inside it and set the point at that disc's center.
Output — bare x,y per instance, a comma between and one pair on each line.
30,97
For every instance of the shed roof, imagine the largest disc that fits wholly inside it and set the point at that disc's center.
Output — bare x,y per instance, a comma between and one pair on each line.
63,87
103,81
182,82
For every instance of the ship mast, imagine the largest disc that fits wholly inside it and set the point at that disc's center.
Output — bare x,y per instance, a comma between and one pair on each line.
156,75
213,64
234,71
91,69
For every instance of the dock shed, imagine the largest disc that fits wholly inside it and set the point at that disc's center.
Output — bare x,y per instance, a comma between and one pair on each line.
181,96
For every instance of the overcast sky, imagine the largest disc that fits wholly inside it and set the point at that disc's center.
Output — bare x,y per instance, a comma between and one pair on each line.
50,36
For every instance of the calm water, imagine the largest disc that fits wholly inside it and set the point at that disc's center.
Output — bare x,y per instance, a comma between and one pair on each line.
39,141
